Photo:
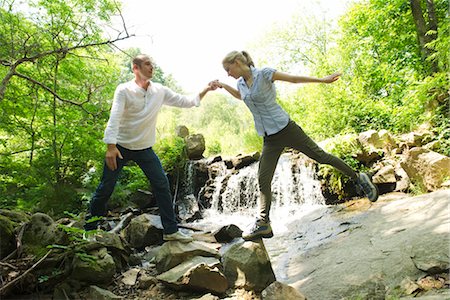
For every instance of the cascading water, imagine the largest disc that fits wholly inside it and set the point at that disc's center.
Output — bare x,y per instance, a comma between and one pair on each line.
295,189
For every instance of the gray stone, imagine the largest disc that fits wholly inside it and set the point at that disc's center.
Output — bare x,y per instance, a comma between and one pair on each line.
144,230
247,265
195,146
199,273
174,253
101,294
99,269
277,291
426,168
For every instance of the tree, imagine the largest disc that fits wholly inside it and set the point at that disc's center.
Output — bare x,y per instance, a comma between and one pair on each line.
427,30
57,72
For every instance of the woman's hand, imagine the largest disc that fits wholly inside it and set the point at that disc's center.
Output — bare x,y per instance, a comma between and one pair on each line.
215,84
331,78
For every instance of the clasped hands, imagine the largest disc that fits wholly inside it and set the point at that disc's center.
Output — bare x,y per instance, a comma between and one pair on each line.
215,84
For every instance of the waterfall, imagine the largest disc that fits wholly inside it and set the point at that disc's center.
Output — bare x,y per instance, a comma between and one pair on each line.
294,187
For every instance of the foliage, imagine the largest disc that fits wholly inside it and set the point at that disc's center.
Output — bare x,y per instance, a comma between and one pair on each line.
225,123
346,147
385,84
52,114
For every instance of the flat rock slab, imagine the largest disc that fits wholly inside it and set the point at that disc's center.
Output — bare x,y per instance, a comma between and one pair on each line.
364,249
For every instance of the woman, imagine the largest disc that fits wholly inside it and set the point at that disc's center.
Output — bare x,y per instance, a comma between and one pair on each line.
256,88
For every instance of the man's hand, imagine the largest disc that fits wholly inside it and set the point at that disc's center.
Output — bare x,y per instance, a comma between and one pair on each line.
215,84
111,156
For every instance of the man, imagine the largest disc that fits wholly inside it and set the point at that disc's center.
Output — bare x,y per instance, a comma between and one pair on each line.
130,135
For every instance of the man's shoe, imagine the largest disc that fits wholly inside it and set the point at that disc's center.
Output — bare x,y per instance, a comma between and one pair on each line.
261,229
365,185
178,236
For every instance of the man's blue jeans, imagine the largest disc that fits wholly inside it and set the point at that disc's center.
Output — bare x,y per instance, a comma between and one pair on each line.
150,164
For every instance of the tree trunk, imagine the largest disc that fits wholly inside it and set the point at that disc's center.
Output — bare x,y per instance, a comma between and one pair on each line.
422,28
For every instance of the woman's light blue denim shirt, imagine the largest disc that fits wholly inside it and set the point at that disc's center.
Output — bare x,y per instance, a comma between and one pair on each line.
260,98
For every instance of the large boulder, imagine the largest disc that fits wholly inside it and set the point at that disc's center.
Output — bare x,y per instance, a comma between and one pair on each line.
40,232
426,168
247,265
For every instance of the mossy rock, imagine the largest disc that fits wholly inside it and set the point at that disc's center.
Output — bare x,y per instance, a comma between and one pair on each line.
17,217
7,240
40,232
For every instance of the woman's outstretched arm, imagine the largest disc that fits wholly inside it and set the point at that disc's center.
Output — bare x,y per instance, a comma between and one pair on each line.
304,79
235,93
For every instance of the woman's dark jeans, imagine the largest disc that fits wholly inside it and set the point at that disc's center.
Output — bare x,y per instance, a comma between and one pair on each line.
150,164
294,137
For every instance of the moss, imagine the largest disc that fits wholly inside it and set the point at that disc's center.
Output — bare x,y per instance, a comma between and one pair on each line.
7,244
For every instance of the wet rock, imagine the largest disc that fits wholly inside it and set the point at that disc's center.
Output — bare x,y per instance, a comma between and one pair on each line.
247,265
198,273
242,161
188,209
227,233
174,253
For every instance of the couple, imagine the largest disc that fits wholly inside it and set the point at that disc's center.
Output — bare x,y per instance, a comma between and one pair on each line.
130,135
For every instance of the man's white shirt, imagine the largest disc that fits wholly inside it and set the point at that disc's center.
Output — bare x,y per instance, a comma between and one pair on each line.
132,121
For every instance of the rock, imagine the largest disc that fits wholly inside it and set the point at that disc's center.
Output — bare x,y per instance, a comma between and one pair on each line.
195,146
174,253
198,273
409,287
227,233
242,161
146,281
385,175
385,179
426,168
415,139
40,232
100,294
130,277
370,139
207,297
403,181
371,260
432,262
143,199
181,131
100,269
277,291
188,209
144,230
8,238
247,265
